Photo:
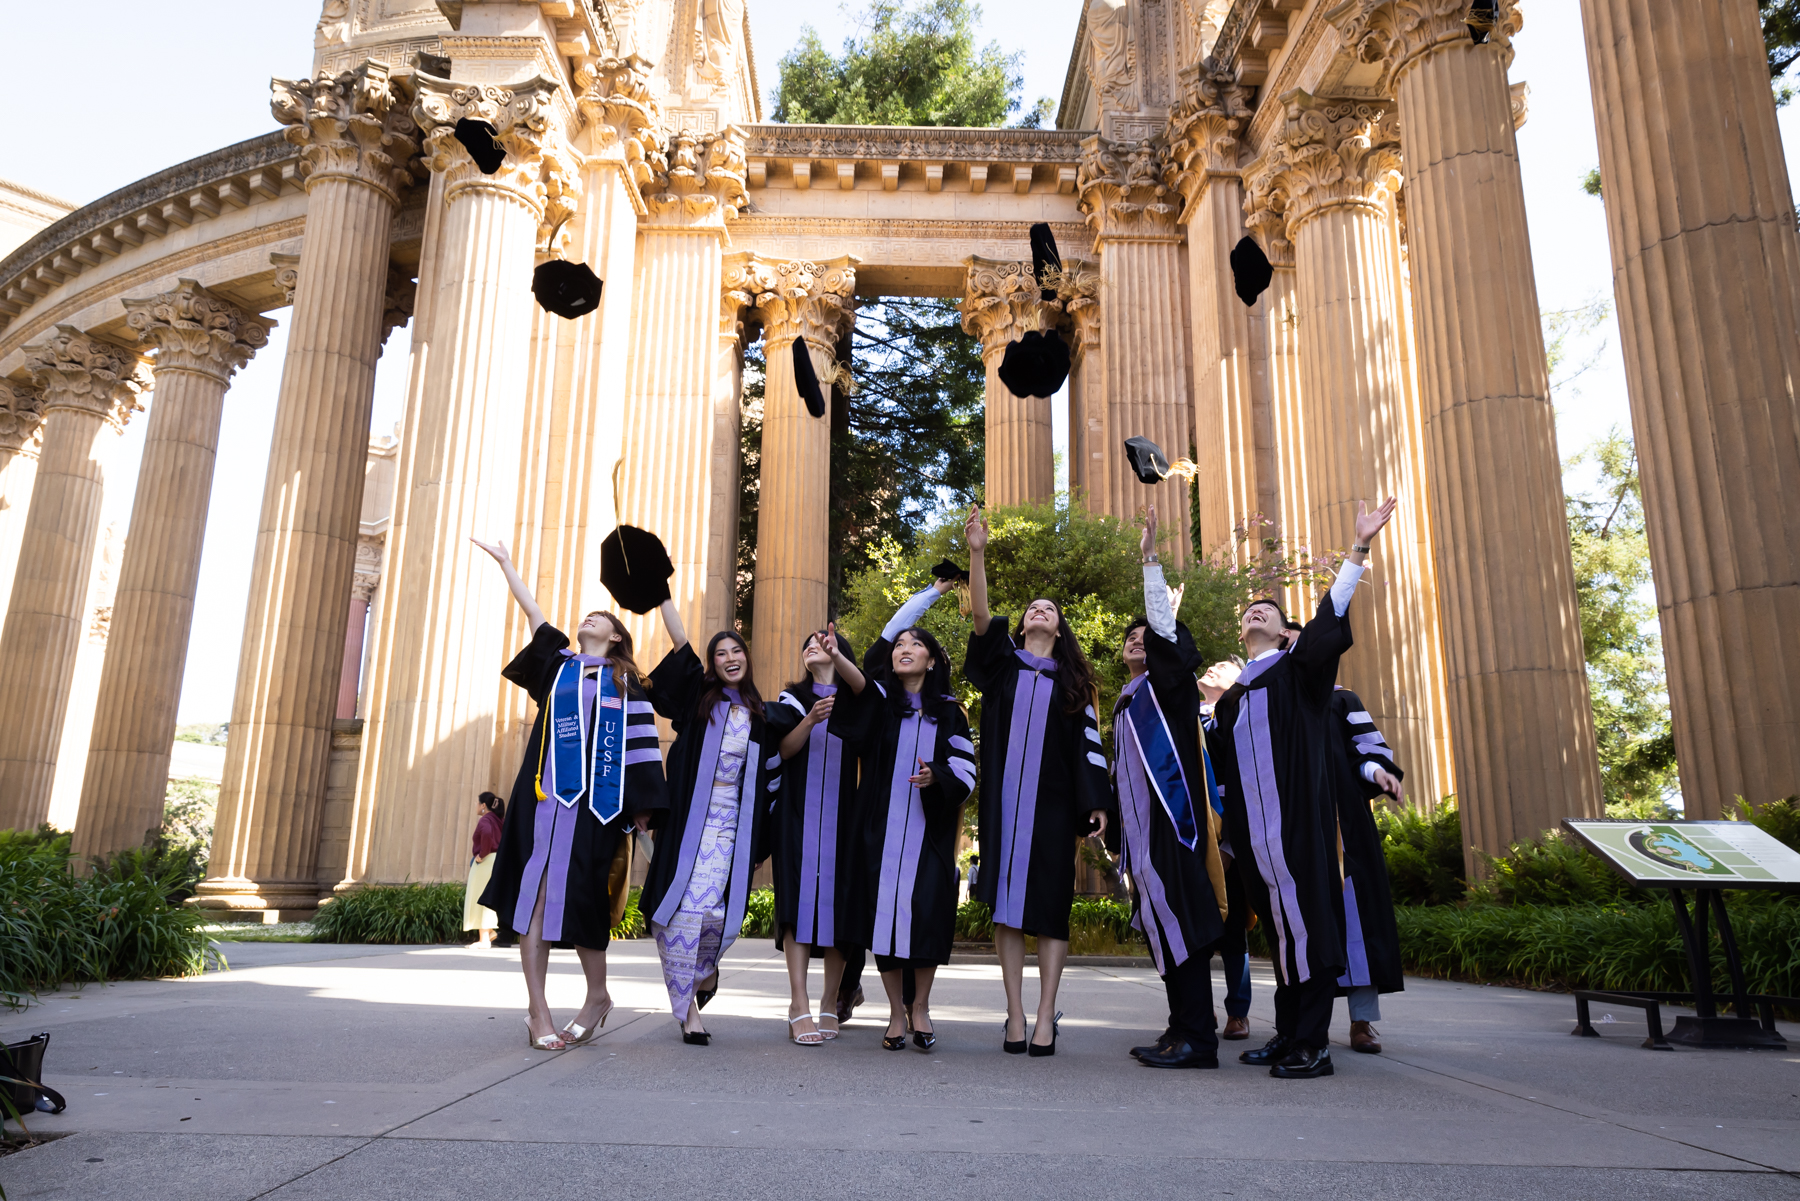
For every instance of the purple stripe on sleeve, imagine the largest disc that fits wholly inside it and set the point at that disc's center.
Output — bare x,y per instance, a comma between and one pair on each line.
696,815
643,754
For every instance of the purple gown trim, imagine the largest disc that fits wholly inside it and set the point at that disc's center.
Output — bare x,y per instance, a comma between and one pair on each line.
1356,975
817,919
748,790
553,833
1139,808
905,835
1032,693
1262,804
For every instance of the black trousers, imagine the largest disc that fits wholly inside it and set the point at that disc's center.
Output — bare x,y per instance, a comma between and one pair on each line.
1303,1011
1190,1002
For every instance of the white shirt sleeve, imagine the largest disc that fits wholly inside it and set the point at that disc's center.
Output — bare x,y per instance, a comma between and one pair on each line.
909,613
1344,587
1369,768
1156,602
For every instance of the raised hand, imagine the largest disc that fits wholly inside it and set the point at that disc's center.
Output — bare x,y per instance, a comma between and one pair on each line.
1369,524
1147,544
975,531
496,549
821,710
924,779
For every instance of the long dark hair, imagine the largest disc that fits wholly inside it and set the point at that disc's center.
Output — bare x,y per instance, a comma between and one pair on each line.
713,688
624,665
805,682
1080,687
493,804
934,693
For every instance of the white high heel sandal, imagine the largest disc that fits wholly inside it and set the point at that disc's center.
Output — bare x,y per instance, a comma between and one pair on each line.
812,1038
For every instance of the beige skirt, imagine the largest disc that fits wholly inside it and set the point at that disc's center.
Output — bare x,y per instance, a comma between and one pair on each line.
477,916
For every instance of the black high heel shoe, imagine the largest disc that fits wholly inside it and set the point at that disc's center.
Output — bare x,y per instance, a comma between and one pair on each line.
895,1042
1037,1052
1008,1045
922,1039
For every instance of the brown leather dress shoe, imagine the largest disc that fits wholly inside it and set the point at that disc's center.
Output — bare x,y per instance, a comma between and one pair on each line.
1236,1028
1363,1038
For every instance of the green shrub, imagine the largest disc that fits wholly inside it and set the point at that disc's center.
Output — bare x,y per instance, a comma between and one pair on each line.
974,922
1424,853
631,922
117,922
1779,819
393,914
759,914
1102,926
1555,871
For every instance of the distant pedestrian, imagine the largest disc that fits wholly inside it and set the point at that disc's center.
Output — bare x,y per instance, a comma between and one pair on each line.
477,916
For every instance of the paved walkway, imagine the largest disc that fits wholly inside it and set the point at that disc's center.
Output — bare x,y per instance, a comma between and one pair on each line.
376,1072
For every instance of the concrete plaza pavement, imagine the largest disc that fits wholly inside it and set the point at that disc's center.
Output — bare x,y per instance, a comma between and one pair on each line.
313,1072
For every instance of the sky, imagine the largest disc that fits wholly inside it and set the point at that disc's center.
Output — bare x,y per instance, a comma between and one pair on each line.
153,93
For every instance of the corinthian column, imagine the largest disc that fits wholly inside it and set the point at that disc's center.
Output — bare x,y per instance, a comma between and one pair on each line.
1001,302
1329,180
21,438
200,343
90,390
1521,723
679,477
812,302
1706,271
358,150
1143,381
462,477
1234,440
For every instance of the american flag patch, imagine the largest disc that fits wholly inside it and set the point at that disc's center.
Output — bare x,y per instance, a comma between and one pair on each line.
612,702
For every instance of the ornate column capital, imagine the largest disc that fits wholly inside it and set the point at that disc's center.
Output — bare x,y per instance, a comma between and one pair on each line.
1002,301
539,171
1204,127
1121,190
194,330
77,371
1079,294
1331,154
352,125
287,273
697,179
367,576
1397,33
21,419
794,298
620,111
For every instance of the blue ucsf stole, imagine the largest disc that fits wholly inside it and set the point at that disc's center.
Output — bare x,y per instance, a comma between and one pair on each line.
1162,766
564,770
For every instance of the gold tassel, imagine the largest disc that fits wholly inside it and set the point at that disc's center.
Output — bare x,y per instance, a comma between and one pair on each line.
963,604
842,379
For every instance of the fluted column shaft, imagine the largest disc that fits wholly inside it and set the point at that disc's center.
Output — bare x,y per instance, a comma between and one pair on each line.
90,390
21,415
1521,722
1706,273
1002,301
1279,348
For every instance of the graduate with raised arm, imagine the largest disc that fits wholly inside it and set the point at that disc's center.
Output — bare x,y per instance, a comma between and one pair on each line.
917,767
1276,754
723,771
1169,819
592,769
1047,786
814,829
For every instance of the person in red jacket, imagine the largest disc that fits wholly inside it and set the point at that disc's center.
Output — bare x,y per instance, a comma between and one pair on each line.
477,916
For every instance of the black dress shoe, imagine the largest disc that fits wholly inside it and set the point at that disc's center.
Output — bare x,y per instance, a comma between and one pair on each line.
1180,1054
1155,1048
1269,1052
1304,1063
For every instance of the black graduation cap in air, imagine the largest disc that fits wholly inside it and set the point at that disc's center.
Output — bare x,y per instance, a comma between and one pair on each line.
635,568
567,289
1036,364
1147,460
946,570
1044,255
482,141
1250,270
1482,15
807,380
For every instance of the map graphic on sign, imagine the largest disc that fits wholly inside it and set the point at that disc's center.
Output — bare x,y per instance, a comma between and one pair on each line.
1684,854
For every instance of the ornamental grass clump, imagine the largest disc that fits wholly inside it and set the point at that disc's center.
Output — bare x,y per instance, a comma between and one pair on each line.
759,914
393,914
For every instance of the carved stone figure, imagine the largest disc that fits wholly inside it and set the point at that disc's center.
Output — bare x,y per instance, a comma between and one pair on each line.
1113,63
716,31
334,24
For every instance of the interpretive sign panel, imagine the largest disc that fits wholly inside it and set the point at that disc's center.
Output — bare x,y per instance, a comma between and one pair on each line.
1690,854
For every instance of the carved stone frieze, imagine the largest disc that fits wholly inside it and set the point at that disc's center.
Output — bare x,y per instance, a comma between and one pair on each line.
538,172
1396,33
620,110
78,371
923,143
1330,154
794,298
21,419
353,125
697,179
194,330
1122,192
1204,128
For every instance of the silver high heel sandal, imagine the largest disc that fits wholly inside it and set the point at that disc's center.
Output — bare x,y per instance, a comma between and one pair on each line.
574,1034
543,1042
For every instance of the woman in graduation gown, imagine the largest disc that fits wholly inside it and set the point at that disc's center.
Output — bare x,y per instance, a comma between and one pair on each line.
592,769
917,767
813,828
723,770
1047,783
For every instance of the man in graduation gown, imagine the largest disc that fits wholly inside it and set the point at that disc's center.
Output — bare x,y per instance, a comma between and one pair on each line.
1371,937
1278,761
1168,817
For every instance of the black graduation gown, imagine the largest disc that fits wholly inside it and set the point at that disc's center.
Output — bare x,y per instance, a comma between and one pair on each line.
1275,753
1175,900
587,909
905,836
799,822
1069,777
675,688
1373,940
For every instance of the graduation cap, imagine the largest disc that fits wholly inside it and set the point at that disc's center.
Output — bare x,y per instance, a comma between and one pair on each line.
1150,465
567,289
482,141
1483,14
946,570
1044,257
1250,270
1036,364
635,568
807,379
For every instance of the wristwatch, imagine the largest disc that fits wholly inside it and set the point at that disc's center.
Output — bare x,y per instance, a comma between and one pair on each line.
1360,549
